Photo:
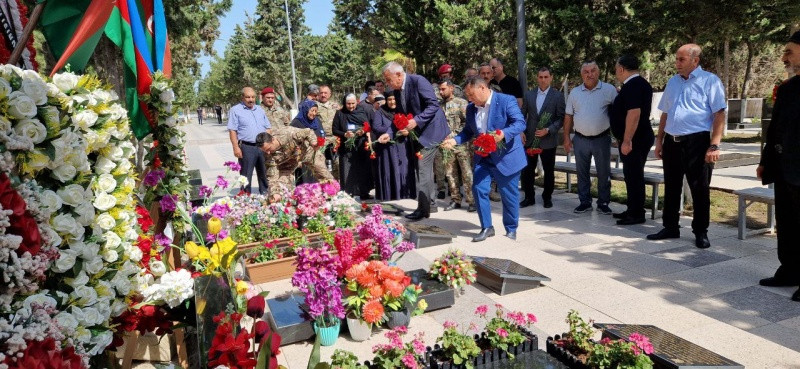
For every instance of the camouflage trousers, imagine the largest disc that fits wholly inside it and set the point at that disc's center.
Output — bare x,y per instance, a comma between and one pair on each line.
313,161
460,160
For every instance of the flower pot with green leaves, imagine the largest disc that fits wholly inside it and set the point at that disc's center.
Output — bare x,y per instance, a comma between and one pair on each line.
399,354
365,290
400,308
316,278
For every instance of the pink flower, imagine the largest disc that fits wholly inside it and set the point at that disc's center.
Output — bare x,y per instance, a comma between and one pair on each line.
410,361
641,342
419,346
502,332
517,317
448,324
234,166
531,318
605,341
481,310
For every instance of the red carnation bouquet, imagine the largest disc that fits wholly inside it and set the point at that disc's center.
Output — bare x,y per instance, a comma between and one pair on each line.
486,144
533,148
401,123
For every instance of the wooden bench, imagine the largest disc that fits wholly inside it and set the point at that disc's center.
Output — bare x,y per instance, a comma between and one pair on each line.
654,180
747,197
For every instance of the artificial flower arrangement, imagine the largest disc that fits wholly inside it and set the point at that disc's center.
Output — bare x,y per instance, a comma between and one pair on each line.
316,278
454,269
68,225
533,147
386,235
631,353
486,143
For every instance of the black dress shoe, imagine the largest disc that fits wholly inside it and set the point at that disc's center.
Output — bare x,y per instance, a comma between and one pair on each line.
527,202
548,203
417,215
441,195
778,282
452,205
796,295
621,215
631,221
664,233
484,234
512,235
701,240
472,208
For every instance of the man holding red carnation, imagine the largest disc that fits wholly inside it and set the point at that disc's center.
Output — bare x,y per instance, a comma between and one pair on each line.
495,115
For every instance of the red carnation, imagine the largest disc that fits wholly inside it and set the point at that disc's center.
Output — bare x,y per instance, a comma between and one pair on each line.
320,141
373,156
366,127
533,151
144,219
485,145
400,121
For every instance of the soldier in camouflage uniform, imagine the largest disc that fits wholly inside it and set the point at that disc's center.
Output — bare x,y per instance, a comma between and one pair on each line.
278,117
460,157
288,149
326,110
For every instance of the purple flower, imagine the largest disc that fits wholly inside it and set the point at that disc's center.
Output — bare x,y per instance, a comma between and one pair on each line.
223,233
331,188
153,177
163,240
219,211
234,166
205,191
316,278
221,182
168,203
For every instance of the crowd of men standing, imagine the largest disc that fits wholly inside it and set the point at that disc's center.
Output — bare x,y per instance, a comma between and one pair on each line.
444,118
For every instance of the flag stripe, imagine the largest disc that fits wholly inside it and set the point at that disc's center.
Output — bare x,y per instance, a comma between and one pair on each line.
139,39
89,29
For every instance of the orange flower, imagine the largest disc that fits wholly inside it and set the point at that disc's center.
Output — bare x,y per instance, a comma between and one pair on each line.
355,271
373,311
376,291
394,273
366,279
376,266
394,288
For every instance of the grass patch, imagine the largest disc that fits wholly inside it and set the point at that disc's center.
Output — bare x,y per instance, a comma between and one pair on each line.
742,138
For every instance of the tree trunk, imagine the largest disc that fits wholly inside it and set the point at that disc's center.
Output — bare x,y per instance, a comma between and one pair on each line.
748,71
727,66
107,62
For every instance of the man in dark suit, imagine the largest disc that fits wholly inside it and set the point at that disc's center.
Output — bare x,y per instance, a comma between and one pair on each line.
415,96
490,112
780,164
630,125
534,104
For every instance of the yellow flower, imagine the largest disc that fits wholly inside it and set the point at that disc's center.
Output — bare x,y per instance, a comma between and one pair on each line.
241,287
214,225
192,250
203,253
226,245
422,305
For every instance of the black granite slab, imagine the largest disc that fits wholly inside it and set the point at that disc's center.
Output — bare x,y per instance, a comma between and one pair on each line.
288,318
504,276
426,235
437,294
670,351
194,177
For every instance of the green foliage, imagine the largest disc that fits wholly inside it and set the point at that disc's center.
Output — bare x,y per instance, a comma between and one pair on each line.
512,336
459,347
580,331
617,354
343,359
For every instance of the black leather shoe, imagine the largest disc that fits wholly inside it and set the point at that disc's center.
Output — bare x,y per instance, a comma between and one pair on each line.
484,234
512,235
441,195
472,208
796,295
548,203
621,215
527,202
664,233
778,282
452,205
631,221
417,215
701,240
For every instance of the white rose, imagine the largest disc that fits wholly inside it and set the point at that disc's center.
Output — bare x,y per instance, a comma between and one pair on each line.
50,200
65,224
72,195
81,280
85,213
90,251
118,112
116,153
65,262
32,129
5,88
84,119
82,335
128,148
104,290
5,125
135,254
110,256
100,341
101,95
64,172
106,221
168,108
167,96
90,317
157,267
40,300
66,82
106,183
104,201
66,321
20,106
104,165
118,306
36,90
93,266
93,140
125,166
85,295
112,240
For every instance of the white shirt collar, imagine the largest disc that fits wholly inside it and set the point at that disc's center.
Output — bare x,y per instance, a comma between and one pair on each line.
403,87
488,101
629,78
539,90
599,85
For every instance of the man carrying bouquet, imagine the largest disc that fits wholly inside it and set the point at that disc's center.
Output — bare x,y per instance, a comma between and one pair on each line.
289,149
497,122
544,110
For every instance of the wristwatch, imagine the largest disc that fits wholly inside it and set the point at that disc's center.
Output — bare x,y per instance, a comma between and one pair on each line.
713,148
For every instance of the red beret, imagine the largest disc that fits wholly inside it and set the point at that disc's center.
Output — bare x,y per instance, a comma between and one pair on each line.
267,90
445,68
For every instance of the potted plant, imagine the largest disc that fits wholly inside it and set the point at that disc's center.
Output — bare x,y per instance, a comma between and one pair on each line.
364,301
343,359
457,347
454,269
316,278
505,330
577,350
397,354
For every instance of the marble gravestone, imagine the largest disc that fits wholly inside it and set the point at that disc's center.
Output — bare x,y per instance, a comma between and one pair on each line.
426,235
437,294
287,318
669,350
504,276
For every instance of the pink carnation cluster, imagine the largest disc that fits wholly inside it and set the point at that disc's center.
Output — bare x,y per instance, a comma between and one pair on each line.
641,342
309,198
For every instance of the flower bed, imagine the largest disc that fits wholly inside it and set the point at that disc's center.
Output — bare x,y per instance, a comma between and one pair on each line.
487,355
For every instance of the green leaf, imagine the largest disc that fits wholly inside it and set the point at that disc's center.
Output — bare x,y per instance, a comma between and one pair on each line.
313,360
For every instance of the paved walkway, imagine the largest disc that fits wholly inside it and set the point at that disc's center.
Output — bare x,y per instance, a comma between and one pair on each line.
608,273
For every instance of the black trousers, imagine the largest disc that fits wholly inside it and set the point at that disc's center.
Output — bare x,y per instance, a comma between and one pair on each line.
253,158
633,169
528,174
687,158
426,185
787,201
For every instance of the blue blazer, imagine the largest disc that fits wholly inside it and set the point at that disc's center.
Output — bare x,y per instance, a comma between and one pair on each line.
421,102
504,114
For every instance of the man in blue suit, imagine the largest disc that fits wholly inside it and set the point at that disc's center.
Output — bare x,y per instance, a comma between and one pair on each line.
489,112
415,96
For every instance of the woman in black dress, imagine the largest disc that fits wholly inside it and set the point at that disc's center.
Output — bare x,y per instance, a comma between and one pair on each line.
349,125
395,167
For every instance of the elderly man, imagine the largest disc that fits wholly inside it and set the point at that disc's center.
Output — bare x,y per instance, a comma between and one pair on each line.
415,96
245,121
487,113
459,158
508,85
630,124
278,117
587,110
326,111
780,164
287,150
689,134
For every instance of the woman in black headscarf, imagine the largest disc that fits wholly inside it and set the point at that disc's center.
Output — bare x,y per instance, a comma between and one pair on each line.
307,118
395,167
350,125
